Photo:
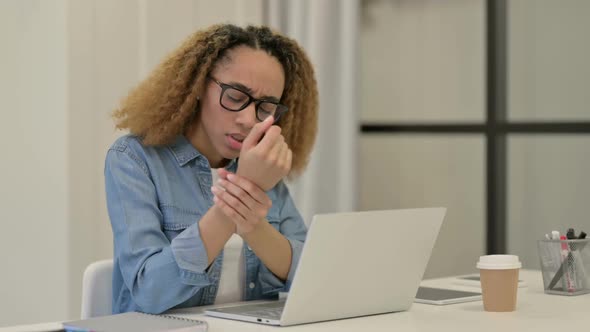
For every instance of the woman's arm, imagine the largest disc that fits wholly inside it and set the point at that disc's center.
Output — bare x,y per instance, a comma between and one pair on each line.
248,206
265,159
215,229
159,273
272,248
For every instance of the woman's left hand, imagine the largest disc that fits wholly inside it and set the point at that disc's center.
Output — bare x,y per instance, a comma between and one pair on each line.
241,200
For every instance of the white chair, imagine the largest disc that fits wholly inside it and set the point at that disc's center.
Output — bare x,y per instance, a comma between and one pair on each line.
97,287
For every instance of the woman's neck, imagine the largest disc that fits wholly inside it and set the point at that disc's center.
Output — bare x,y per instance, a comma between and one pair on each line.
199,139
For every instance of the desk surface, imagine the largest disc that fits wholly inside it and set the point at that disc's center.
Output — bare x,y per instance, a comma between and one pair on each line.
535,310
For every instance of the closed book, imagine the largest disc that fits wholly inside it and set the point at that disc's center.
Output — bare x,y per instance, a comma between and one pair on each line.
136,322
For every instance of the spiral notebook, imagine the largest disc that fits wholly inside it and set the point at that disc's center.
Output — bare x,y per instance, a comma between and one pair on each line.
136,322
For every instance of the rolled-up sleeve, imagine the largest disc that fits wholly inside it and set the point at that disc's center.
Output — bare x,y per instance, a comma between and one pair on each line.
160,274
191,255
291,225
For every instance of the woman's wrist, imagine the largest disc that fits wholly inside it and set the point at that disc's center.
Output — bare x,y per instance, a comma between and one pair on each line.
255,233
225,222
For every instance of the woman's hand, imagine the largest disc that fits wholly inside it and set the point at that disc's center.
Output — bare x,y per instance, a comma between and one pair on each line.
241,200
265,161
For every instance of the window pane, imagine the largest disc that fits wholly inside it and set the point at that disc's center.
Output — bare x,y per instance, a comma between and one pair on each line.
423,61
548,60
548,189
426,171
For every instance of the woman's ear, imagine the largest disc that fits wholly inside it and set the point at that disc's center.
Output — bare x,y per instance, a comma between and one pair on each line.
195,111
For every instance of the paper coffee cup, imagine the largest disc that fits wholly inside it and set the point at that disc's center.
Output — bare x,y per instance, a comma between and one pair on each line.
499,281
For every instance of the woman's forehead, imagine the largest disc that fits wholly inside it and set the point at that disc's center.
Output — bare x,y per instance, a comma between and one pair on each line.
256,69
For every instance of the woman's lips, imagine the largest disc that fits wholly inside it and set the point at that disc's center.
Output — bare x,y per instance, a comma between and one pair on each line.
235,141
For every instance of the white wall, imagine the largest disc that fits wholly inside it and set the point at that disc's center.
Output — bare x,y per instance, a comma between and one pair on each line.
34,172
65,65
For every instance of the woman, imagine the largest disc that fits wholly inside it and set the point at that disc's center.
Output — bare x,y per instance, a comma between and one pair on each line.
192,225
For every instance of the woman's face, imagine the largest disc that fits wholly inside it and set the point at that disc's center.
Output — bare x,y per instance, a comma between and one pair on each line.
219,133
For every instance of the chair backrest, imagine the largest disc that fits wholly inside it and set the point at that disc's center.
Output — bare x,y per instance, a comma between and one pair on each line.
97,288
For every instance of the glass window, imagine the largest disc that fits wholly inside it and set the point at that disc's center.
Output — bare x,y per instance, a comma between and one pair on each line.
423,61
548,189
426,171
548,56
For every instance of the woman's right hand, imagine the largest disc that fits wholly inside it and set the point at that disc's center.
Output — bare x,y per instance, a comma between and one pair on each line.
265,161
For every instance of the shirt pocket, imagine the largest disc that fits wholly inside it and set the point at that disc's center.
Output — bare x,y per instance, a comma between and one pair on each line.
176,220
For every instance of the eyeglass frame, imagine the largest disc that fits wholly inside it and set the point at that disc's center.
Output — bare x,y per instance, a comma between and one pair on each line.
257,102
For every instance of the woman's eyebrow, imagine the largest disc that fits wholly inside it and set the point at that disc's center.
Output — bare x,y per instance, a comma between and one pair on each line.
247,89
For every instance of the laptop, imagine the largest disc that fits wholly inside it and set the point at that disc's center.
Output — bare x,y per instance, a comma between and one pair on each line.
353,264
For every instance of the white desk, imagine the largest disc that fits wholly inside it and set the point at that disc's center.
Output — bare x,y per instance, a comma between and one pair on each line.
535,310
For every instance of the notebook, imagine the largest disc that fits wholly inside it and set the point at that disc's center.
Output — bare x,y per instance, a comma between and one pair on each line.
136,322
353,264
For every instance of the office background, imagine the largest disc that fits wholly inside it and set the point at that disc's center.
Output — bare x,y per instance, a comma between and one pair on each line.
419,66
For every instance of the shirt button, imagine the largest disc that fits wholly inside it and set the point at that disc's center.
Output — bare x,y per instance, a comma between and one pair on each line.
252,285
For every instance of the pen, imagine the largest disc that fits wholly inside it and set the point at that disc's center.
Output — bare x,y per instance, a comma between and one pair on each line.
562,268
571,234
577,255
559,273
565,257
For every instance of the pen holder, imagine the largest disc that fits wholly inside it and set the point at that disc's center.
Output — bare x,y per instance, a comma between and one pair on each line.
565,265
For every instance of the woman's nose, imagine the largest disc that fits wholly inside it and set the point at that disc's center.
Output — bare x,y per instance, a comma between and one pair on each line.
247,116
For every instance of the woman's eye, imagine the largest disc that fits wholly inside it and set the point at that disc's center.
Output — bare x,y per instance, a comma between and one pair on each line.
235,96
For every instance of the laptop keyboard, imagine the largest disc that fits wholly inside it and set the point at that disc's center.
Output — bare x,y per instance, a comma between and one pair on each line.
273,313
270,310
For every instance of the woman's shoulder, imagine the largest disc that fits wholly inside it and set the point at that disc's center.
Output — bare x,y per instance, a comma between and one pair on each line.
123,150
133,145
127,142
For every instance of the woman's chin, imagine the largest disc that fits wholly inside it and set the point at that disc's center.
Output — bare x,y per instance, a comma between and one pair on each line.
230,153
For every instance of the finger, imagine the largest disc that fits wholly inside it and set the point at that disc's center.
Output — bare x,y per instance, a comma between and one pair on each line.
229,211
272,137
252,189
283,157
239,193
275,152
232,201
222,172
256,133
289,158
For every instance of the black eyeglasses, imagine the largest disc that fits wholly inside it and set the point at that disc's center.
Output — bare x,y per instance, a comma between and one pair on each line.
234,100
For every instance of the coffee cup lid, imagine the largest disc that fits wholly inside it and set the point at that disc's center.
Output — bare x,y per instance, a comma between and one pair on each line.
499,262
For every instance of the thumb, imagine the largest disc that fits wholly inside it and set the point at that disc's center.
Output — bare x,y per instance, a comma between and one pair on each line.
222,172
256,133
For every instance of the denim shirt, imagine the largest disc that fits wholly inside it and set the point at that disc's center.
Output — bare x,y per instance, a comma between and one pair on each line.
156,197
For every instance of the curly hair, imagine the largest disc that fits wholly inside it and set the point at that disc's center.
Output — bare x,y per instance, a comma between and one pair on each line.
162,106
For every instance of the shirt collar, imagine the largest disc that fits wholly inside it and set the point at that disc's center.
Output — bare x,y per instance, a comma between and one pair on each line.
184,152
